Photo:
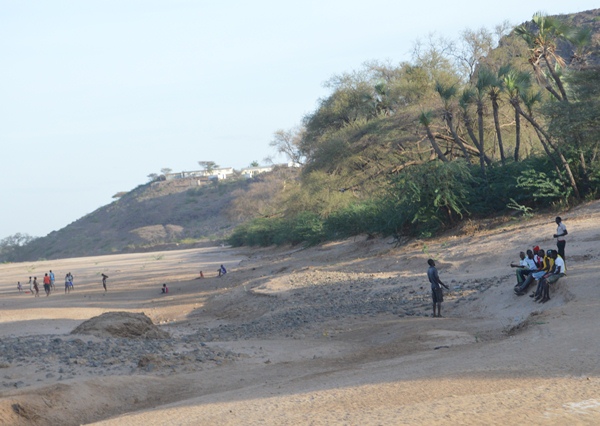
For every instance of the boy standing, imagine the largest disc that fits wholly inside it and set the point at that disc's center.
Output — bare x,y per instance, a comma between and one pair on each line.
436,291
561,233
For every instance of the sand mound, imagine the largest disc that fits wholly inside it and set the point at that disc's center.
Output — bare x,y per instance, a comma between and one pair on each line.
121,324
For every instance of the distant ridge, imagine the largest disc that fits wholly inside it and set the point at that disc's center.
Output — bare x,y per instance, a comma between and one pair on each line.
153,216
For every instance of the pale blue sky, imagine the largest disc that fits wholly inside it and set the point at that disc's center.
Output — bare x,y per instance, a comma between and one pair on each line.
95,95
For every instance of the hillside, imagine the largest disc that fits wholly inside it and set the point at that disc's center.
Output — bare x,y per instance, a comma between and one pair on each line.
359,138
157,215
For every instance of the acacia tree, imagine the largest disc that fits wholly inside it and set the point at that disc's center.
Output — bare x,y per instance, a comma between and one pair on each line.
288,143
208,166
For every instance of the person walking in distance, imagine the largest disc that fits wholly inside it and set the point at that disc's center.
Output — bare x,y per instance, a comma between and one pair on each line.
36,289
70,277
47,284
104,277
67,284
561,233
31,287
436,291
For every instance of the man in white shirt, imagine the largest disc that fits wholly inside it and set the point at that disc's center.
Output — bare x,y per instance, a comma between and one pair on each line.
525,267
561,233
520,265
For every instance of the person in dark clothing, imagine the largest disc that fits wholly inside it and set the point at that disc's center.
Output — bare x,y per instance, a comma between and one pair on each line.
436,291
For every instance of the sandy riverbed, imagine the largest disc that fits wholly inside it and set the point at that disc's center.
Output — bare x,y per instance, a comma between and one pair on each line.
337,334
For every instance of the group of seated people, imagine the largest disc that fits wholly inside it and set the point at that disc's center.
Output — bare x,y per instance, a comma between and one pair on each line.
545,267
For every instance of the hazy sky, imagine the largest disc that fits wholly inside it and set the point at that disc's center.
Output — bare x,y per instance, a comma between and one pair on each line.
96,95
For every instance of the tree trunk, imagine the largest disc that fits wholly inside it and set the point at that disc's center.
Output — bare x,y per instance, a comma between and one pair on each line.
556,79
435,145
448,119
517,134
481,142
547,150
471,133
498,133
540,75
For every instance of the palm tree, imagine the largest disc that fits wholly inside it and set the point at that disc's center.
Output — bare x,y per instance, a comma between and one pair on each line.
542,44
581,39
447,93
516,83
465,100
529,99
425,120
494,82
481,86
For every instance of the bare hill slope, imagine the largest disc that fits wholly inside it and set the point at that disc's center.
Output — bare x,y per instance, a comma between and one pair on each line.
154,216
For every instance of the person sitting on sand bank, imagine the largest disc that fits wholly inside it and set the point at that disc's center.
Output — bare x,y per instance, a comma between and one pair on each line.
164,289
525,266
222,271
537,257
557,273
436,291
546,265
519,265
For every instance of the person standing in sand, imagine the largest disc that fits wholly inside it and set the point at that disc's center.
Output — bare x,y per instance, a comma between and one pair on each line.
561,233
36,289
104,277
51,275
47,284
436,290
67,284
30,286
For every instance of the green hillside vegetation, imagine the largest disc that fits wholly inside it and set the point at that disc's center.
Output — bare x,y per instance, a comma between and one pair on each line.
502,121
497,122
